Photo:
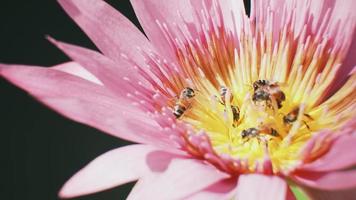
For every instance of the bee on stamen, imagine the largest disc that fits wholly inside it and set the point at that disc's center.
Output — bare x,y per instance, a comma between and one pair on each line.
223,92
292,116
258,133
187,93
250,133
178,110
234,109
236,115
268,92
183,103
274,133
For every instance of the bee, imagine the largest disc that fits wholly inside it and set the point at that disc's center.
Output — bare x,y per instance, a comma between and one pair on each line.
250,133
274,132
223,92
256,133
235,115
178,110
183,103
187,93
292,117
268,92
260,83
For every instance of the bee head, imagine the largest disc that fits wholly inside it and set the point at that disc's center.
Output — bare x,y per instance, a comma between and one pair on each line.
244,134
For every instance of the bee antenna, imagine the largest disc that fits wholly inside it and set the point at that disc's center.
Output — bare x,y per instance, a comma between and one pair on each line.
308,116
305,123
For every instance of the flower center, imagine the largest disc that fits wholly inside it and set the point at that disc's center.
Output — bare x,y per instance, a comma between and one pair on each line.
248,124
249,93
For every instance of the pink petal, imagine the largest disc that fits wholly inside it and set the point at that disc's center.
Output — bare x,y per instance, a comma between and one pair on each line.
309,150
331,195
85,102
338,157
181,16
114,168
112,33
232,12
182,178
346,69
259,186
77,70
327,181
148,12
340,11
222,190
111,74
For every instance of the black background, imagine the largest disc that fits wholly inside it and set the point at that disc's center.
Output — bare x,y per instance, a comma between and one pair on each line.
39,149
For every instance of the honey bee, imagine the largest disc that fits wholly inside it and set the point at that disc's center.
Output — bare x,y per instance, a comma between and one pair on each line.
250,133
274,132
235,109
293,115
268,92
183,103
223,92
178,110
235,115
187,93
256,133
260,83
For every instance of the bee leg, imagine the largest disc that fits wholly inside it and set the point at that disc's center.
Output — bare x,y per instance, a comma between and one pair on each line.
263,140
308,116
306,124
273,104
279,104
248,139
219,100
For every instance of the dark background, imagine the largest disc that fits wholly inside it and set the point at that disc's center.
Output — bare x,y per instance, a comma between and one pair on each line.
39,149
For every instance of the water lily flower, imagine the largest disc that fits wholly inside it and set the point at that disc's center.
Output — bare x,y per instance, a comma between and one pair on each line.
222,105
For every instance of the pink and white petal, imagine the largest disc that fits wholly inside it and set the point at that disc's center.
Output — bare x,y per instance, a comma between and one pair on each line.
114,75
345,71
232,12
260,9
77,70
84,102
114,168
184,16
327,181
342,30
111,32
311,151
318,10
343,14
182,178
338,157
222,190
163,11
259,186
315,194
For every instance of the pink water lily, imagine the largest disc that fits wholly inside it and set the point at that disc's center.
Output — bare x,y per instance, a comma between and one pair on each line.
222,105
